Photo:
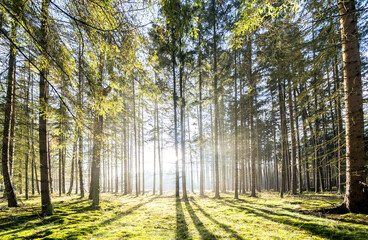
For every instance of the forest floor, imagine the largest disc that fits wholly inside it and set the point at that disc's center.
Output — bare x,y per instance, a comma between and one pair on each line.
162,217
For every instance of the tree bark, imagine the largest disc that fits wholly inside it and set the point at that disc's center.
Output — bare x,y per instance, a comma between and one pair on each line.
356,198
10,98
47,208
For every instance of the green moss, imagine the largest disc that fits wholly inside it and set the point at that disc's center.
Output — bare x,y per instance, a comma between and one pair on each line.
149,217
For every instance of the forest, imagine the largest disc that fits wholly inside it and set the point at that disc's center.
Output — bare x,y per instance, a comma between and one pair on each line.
173,119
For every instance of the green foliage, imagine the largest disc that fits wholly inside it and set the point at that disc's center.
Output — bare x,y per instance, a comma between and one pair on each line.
253,13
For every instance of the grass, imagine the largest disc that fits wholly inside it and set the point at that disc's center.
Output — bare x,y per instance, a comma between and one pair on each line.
164,217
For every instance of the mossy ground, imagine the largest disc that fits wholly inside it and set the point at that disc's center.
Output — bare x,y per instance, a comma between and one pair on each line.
162,217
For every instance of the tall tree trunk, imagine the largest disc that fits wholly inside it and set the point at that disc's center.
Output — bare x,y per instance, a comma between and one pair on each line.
356,198
10,98
292,136
27,111
215,102
190,155
125,140
252,92
143,183
201,160
300,179
182,120
236,180
47,208
159,152
80,132
33,168
135,142
284,148
154,146
275,161
175,99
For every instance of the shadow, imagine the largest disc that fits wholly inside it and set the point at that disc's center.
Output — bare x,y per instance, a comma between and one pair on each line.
205,234
328,232
79,232
20,224
233,233
181,225
126,212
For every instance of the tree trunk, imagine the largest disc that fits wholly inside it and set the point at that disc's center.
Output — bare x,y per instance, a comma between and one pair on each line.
356,198
284,148
215,103
236,180
159,151
74,155
10,98
47,208
201,160
251,120
292,136
143,184
182,121
95,170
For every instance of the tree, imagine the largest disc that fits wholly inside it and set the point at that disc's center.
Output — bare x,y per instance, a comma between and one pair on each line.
47,208
356,197
9,110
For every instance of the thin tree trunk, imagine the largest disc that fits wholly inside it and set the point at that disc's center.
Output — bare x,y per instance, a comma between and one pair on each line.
283,138
293,144
74,156
10,98
143,183
159,151
215,103
182,121
201,160
236,180
47,208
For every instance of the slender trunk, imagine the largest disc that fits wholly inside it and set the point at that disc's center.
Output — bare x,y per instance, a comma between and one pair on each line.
252,92
293,144
283,138
10,98
74,156
275,161
201,160
236,180
182,120
47,208
300,179
215,103
125,141
28,135
154,146
190,156
159,151
80,132
143,184
175,97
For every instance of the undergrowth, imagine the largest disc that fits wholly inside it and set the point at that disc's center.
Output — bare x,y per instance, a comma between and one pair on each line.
164,217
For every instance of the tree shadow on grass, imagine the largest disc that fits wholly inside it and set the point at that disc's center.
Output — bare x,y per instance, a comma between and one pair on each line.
20,224
205,234
233,233
326,231
181,224
117,215
126,212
